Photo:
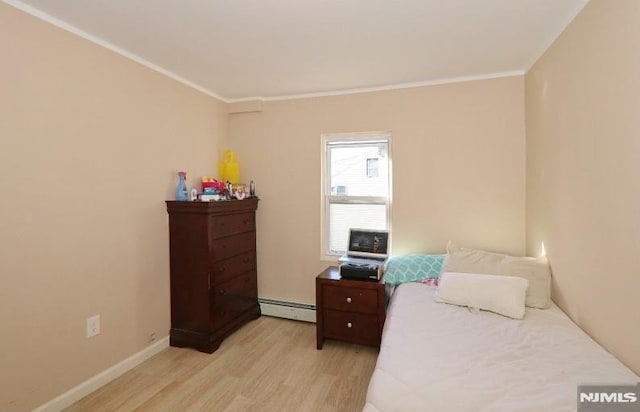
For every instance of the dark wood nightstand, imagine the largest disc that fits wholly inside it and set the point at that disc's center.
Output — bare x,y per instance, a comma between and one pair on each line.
349,310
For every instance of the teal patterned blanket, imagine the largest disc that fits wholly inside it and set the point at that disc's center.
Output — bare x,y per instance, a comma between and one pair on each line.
412,267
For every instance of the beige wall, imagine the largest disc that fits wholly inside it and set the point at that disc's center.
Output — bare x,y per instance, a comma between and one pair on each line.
89,143
458,172
583,172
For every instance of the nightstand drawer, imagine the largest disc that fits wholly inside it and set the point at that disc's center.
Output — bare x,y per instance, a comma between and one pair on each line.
351,327
350,299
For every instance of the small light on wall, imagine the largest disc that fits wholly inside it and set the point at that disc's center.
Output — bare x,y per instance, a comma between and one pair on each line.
543,251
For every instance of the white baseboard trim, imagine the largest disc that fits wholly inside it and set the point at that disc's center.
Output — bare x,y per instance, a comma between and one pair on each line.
75,394
288,310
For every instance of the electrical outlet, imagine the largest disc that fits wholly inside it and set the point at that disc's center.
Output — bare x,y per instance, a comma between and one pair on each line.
93,326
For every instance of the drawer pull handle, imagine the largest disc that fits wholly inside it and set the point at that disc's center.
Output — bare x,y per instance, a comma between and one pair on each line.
221,269
349,325
222,292
348,300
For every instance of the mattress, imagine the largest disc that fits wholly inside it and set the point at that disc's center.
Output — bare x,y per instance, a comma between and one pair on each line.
439,357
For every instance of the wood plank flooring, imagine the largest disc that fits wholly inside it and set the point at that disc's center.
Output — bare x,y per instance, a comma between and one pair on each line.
270,364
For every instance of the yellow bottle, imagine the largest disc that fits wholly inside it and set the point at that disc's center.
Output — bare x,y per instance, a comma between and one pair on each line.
229,169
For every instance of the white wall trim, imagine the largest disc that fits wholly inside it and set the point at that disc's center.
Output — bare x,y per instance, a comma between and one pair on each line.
436,82
107,45
288,310
75,394
101,42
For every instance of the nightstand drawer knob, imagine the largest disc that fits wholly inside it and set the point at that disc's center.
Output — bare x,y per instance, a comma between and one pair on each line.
349,324
348,300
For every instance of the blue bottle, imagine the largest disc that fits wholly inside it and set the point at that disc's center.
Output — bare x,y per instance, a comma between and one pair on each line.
182,193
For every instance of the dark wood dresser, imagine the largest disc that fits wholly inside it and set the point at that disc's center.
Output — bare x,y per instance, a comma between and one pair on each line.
214,287
349,310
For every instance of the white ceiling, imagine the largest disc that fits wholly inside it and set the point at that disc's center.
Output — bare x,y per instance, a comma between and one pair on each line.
238,49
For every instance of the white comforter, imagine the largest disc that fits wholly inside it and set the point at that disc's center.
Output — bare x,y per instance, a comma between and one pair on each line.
438,357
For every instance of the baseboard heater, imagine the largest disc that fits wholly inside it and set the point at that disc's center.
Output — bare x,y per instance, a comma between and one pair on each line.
288,310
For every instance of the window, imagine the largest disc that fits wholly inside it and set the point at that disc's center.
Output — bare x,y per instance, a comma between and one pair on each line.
372,167
357,189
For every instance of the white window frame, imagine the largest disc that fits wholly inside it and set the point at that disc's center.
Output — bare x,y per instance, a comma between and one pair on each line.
336,139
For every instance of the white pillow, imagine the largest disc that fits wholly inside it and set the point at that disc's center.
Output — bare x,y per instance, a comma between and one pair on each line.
500,294
535,270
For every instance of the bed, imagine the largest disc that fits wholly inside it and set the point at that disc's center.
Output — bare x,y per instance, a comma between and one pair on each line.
442,357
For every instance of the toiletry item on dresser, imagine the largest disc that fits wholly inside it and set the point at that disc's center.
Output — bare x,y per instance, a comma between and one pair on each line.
182,193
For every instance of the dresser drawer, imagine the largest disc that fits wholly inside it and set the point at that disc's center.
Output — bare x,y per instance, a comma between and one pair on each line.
233,297
230,246
226,269
237,290
350,299
351,327
231,224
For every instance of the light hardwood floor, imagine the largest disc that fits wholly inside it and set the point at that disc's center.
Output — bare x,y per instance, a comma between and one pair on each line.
270,364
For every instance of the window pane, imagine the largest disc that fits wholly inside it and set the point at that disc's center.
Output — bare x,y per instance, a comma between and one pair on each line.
372,167
343,217
353,172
